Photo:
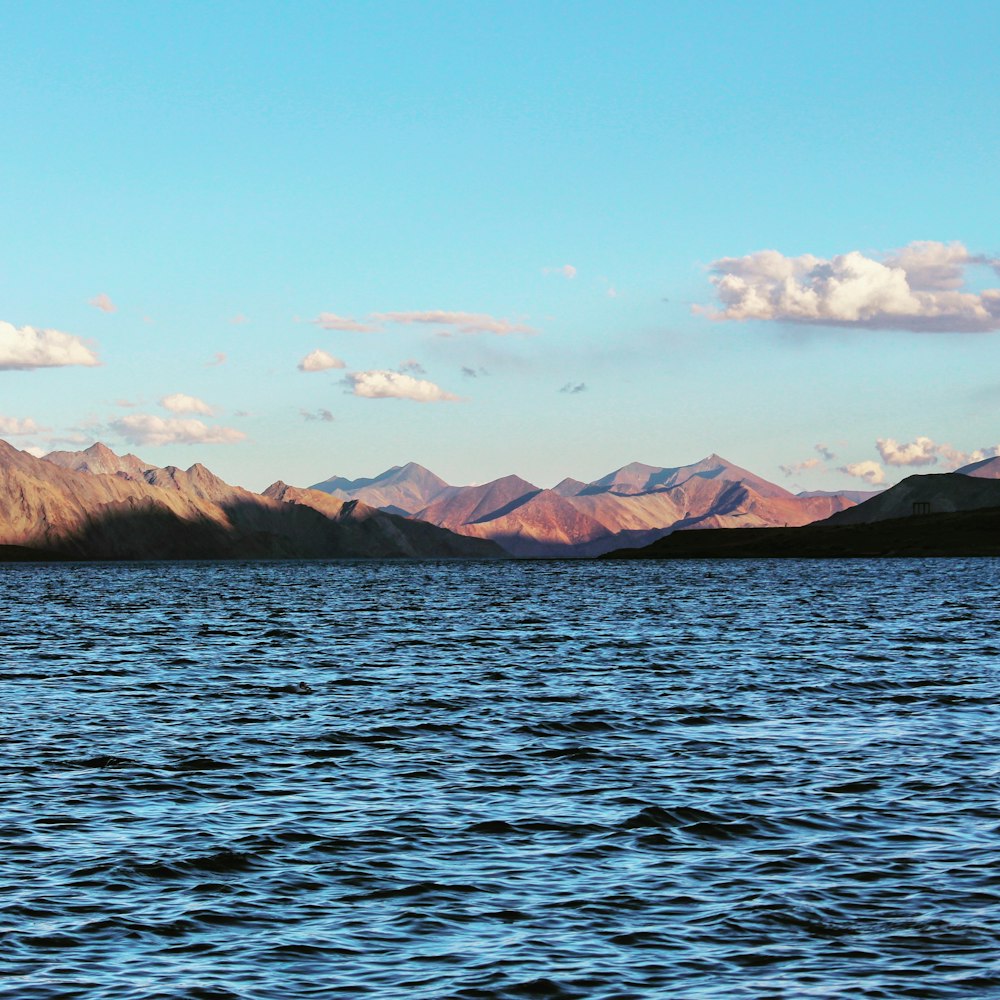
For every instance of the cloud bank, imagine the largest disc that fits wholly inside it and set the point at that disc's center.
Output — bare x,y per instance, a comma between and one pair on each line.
148,429
319,361
26,347
917,288
397,385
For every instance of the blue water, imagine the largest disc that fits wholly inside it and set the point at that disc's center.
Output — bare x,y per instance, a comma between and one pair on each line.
429,780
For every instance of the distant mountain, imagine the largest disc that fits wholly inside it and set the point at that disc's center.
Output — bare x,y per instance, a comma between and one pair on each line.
569,487
404,488
379,533
857,496
51,508
100,460
525,520
988,468
631,506
636,479
937,493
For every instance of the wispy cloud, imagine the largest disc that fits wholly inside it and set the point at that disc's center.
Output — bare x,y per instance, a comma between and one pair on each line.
26,347
796,468
14,427
179,402
216,360
238,320
469,372
574,387
319,361
323,416
461,322
917,288
103,302
824,452
396,385
331,321
566,270
149,429
412,366
869,471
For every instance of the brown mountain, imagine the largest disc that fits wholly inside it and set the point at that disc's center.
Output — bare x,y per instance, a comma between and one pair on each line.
52,509
712,493
379,533
631,506
99,459
525,520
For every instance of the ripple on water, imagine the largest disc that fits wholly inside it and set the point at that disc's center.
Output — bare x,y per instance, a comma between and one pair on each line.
431,780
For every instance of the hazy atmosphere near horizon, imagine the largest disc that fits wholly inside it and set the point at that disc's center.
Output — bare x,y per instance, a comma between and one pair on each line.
309,240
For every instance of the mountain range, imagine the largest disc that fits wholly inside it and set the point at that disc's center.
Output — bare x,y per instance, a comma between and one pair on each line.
632,506
96,504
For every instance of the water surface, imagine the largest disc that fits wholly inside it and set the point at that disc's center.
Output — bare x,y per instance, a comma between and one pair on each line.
566,779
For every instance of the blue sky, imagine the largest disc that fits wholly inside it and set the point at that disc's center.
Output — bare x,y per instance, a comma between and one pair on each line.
518,201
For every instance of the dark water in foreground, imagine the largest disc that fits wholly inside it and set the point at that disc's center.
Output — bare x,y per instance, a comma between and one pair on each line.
509,780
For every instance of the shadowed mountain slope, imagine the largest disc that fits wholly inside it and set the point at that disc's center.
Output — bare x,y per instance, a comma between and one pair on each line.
935,494
381,533
169,513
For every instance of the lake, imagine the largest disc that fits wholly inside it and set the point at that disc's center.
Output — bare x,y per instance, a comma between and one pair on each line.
500,780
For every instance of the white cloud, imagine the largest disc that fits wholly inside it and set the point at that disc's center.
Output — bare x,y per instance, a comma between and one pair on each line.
566,270
319,361
179,402
795,468
148,429
397,385
26,347
12,427
103,302
33,449
916,288
463,322
922,451
869,471
331,321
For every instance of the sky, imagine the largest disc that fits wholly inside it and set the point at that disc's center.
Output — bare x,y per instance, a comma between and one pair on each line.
292,241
